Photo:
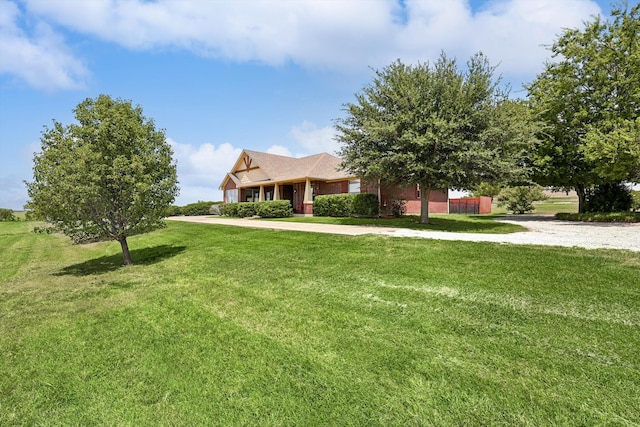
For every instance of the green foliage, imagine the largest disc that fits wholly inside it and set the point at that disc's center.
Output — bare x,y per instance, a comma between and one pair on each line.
7,215
628,217
274,209
519,199
111,175
635,197
589,99
614,197
436,126
229,209
198,208
487,189
246,209
366,204
398,208
266,209
337,205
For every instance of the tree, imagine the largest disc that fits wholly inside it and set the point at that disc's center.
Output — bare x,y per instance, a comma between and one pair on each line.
109,176
589,99
519,199
437,127
486,189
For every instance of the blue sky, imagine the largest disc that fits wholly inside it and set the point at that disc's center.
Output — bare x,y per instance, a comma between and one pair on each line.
220,76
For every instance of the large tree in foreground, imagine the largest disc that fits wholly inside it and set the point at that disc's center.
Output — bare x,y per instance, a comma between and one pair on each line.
589,98
111,175
436,126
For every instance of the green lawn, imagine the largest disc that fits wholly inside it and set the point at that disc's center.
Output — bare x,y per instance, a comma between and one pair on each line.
452,223
217,325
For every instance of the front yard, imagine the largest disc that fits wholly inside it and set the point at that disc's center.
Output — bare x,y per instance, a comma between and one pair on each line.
217,325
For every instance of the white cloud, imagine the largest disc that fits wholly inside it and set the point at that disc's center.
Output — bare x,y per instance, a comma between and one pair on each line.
201,169
342,35
41,58
328,34
313,139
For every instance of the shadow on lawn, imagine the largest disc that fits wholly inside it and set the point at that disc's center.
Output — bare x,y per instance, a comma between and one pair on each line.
466,224
105,264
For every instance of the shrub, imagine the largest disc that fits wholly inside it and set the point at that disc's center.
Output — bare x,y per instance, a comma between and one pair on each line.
635,197
627,217
229,209
336,205
366,204
7,215
520,199
174,211
274,209
608,198
198,208
398,208
246,209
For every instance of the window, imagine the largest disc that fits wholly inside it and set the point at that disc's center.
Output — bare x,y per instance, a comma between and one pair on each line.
252,194
231,196
354,186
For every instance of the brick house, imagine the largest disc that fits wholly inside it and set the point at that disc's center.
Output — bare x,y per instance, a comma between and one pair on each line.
260,176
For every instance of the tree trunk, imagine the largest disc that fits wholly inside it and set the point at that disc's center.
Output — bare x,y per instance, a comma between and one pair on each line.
125,251
582,197
424,203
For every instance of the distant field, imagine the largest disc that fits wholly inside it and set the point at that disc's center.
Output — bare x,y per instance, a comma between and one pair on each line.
217,325
557,202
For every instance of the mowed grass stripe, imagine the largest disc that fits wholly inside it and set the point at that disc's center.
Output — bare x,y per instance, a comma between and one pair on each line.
224,326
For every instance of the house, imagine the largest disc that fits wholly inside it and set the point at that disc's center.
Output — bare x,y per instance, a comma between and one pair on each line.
260,176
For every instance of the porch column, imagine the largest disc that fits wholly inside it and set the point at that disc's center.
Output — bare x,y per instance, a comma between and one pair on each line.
261,197
308,198
276,192
307,191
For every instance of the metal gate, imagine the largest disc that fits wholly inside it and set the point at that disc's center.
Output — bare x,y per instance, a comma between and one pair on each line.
470,206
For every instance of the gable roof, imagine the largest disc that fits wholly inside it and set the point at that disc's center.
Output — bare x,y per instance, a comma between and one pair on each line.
254,168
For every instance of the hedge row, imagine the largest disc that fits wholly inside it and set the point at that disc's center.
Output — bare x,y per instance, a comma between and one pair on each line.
268,209
342,205
627,217
192,209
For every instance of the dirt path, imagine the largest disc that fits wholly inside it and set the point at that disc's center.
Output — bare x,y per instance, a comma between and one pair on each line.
541,231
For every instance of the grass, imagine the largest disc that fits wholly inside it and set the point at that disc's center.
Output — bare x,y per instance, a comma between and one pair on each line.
452,223
557,204
217,325
628,217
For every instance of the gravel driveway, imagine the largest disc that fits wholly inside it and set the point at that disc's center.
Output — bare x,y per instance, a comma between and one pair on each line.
541,231
547,231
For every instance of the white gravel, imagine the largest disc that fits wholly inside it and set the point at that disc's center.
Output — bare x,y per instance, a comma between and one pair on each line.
547,231
541,231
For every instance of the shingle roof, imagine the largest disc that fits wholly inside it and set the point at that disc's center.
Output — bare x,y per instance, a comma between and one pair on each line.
278,168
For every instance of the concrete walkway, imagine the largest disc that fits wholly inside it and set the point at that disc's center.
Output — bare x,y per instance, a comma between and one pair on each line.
541,231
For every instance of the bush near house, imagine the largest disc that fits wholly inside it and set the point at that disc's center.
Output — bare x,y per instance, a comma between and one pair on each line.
366,204
267,209
336,205
274,209
192,209
345,205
